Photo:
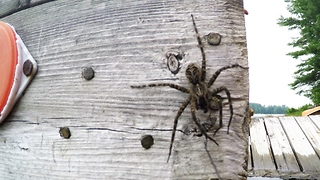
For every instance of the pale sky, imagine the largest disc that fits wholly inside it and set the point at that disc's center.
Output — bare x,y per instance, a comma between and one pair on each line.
271,70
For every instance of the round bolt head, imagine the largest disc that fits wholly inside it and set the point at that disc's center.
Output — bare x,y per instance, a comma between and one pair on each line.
147,141
88,73
213,39
27,67
65,132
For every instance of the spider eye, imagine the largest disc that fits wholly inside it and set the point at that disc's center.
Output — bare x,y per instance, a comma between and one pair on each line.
193,73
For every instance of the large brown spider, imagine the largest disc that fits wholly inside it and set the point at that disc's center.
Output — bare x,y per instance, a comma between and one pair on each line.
199,94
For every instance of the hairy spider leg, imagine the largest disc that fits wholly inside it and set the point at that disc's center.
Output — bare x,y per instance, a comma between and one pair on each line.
203,67
216,74
194,118
220,112
175,123
177,87
218,90
211,161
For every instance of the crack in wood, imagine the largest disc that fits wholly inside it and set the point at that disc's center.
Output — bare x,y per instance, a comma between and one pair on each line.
108,129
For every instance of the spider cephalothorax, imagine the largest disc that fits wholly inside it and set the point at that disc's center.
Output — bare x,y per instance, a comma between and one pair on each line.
198,88
200,97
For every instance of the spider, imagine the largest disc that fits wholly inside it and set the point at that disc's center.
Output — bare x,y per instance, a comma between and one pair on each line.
200,97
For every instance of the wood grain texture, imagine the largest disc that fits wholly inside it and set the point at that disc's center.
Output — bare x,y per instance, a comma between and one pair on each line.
125,43
293,147
261,155
283,154
8,7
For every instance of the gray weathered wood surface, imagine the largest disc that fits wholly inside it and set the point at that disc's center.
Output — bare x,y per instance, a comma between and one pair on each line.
125,42
8,7
286,147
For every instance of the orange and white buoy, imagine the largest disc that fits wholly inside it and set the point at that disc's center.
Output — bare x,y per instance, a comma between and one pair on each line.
17,68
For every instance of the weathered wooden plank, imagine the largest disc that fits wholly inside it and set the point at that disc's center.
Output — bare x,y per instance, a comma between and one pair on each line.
282,151
303,149
316,120
312,132
261,152
250,167
13,6
125,43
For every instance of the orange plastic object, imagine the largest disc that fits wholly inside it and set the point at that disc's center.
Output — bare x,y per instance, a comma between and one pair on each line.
17,68
8,61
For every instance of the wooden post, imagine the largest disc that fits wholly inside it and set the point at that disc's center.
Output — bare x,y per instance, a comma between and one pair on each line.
126,44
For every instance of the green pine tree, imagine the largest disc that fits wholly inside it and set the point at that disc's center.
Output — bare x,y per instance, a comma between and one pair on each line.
306,19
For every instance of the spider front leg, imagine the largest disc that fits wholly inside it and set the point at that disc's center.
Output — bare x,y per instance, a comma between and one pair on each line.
218,90
216,74
194,118
174,86
175,123
203,66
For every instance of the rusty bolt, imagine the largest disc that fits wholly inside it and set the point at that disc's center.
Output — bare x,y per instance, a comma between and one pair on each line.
213,39
88,73
147,141
65,132
27,67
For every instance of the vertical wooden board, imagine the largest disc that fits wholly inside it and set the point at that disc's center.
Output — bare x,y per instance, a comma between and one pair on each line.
303,149
312,133
282,151
126,44
261,153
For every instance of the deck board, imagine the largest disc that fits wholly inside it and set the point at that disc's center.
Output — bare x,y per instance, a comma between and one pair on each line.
316,120
283,153
260,147
293,144
300,144
311,131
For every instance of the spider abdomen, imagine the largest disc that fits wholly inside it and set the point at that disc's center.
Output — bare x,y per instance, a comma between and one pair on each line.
200,92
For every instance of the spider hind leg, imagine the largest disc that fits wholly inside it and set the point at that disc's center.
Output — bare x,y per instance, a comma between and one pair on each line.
194,118
175,124
215,92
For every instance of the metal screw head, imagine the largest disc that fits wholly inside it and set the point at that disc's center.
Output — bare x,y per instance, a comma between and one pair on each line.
27,67
213,39
88,73
65,132
147,141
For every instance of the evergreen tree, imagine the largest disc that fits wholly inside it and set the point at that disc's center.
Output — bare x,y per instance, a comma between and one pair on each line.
261,109
306,19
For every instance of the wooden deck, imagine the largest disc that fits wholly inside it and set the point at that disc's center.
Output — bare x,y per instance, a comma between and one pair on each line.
286,147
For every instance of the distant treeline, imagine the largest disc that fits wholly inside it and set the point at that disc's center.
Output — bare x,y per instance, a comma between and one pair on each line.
261,109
